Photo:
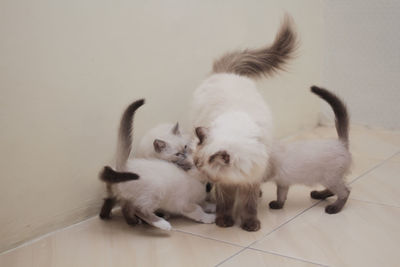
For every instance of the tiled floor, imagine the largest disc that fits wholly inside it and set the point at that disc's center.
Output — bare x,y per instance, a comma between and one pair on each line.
365,233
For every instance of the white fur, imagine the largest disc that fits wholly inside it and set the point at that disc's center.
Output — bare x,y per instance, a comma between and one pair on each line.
239,122
311,162
163,186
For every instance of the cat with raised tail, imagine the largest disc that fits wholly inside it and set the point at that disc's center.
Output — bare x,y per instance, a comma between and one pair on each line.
143,186
324,162
234,126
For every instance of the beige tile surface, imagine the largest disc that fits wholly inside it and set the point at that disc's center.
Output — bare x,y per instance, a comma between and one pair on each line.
381,185
113,243
251,257
298,200
363,234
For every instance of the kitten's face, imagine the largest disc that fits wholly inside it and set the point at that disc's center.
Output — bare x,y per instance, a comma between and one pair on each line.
174,148
208,158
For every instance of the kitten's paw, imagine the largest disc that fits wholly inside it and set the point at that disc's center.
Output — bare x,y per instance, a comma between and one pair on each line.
276,205
251,225
320,194
132,221
224,221
332,209
163,224
209,218
105,216
210,207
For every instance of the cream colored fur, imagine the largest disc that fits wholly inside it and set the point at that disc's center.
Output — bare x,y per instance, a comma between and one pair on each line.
239,122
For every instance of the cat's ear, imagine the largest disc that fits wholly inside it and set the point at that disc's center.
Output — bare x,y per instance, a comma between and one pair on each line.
201,133
176,130
221,157
159,145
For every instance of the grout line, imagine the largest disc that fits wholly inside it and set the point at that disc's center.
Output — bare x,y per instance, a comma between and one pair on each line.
36,239
375,203
209,238
286,256
375,167
230,257
288,221
273,230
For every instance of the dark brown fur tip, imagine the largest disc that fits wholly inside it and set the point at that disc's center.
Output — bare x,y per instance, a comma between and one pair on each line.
108,175
340,110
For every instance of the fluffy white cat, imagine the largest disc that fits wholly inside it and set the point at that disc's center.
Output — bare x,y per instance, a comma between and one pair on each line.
234,126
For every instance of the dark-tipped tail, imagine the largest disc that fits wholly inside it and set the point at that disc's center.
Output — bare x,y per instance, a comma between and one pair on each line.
340,110
108,175
254,63
124,145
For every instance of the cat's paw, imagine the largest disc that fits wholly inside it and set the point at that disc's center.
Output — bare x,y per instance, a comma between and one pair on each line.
224,221
275,205
163,224
320,194
332,209
251,225
210,207
208,218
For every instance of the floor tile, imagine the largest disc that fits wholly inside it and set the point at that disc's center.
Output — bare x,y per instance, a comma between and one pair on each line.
113,243
298,200
363,234
381,185
256,258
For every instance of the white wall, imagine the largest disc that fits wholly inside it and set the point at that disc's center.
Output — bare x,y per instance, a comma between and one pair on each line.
68,68
362,61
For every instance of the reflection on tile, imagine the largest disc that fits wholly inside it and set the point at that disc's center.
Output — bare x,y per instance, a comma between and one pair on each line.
298,200
381,185
251,257
113,243
363,234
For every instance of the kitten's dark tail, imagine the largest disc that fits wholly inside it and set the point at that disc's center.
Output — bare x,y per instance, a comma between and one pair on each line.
267,60
108,175
340,110
124,145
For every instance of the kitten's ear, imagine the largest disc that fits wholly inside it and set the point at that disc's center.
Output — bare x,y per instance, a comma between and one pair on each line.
201,133
221,157
175,130
159,145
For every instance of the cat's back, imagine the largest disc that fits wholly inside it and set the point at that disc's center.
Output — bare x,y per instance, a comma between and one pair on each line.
226,92
309,161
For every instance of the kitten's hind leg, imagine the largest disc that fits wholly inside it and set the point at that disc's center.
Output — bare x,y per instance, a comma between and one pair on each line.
342,193
154,220
195,212
281,192
323,194
129,214
108,205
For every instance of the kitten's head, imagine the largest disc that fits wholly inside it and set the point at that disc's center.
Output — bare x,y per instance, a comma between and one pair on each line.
227,159
173,147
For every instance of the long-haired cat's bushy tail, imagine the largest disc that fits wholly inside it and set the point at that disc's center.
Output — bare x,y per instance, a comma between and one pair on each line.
124,145
255,63
340,110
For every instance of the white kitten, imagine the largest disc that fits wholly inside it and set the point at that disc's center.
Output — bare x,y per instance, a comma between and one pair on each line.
143,186
166,142
234,126
313,162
